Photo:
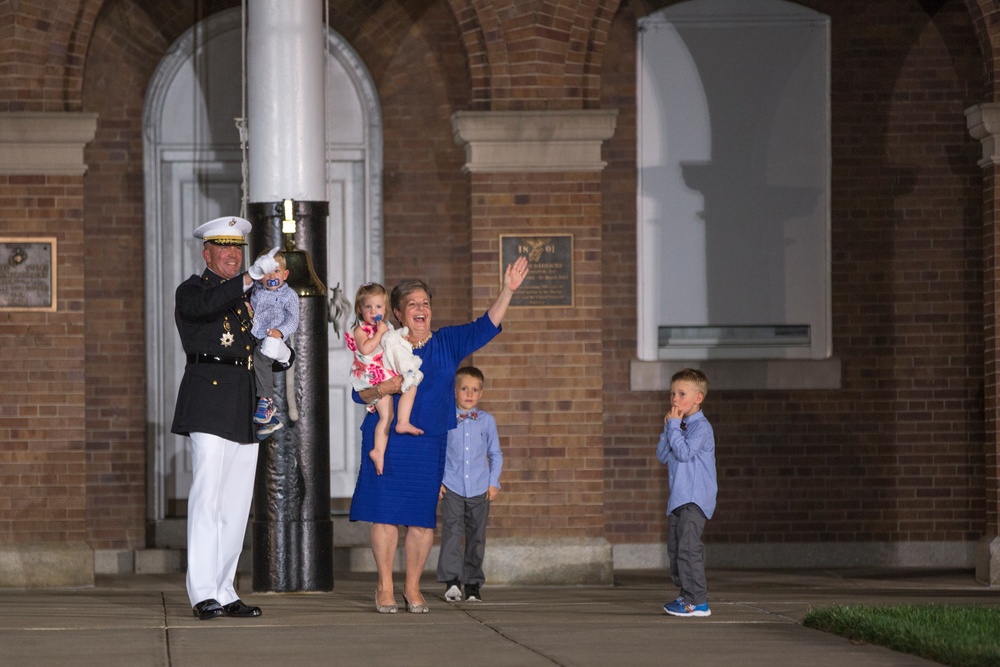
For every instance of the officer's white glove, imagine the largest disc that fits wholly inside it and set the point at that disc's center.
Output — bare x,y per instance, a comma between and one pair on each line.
264,264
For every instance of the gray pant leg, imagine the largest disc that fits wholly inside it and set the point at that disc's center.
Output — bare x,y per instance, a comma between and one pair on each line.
263,374
675,576
477,511
687,553
450,559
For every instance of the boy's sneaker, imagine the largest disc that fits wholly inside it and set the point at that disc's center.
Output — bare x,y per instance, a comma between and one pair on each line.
472,593
679,608
267,429
265,410
453,592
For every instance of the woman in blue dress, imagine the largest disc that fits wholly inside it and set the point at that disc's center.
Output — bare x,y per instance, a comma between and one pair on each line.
406,493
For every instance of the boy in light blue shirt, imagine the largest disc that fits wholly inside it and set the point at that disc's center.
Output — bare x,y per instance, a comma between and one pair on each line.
471,481
687,448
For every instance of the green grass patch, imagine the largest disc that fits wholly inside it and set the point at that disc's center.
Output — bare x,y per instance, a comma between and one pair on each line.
950,635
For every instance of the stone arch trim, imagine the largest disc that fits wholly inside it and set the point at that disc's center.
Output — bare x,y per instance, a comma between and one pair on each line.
599,28
485,47
78,41
985,17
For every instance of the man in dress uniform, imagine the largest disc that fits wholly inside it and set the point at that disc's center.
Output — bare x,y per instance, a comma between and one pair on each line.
215,405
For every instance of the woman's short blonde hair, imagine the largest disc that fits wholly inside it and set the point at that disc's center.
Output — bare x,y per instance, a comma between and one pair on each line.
405,288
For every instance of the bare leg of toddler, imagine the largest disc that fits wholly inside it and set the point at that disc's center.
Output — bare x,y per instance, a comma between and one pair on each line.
403,424
377,454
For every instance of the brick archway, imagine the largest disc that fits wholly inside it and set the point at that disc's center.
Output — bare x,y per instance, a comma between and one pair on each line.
532,60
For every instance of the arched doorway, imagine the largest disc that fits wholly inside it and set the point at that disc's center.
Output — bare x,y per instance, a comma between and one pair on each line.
193,172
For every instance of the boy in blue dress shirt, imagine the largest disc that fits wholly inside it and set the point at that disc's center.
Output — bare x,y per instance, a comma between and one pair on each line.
687,448
471,481
275,318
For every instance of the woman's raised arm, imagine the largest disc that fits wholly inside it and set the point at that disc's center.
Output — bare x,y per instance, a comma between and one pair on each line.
512,279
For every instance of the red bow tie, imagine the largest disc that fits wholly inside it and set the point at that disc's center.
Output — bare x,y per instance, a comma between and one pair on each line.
471,414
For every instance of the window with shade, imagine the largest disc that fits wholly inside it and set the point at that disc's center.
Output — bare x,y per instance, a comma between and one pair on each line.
734,181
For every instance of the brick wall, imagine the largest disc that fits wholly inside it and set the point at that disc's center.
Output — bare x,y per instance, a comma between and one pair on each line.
544,372
42,46
987,29
124,51
635,486
897,454
43,464
991,279
426,197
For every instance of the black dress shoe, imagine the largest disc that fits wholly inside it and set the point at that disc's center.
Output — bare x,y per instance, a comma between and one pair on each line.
239,609
207,609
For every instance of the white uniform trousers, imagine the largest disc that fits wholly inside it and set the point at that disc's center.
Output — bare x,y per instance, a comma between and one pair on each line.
218,509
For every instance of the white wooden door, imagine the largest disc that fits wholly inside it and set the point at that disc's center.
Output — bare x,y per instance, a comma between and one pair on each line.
345,414
197,190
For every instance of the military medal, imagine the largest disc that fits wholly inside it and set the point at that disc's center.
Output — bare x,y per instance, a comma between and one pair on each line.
228,337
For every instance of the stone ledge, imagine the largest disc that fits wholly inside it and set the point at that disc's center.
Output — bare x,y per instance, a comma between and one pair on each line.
523,562
46,565
742,374
533,141
562,562
156,561
766,556
988,560
114,561
45,143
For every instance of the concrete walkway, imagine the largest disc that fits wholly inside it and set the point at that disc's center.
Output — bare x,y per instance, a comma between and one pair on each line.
139,620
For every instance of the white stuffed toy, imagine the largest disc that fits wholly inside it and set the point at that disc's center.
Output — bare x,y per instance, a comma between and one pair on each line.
274,348
397,355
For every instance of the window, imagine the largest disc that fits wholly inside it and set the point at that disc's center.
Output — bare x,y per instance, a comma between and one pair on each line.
734,182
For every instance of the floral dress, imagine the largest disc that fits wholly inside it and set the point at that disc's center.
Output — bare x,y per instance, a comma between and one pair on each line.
367,369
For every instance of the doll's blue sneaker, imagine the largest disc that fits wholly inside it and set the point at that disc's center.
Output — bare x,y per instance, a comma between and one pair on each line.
265,410
679,608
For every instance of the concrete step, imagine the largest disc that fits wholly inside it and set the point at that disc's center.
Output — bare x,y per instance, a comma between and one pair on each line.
172,533
168,553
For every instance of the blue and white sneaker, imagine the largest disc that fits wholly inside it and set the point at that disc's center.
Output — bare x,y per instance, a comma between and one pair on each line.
679,608
267,429
265,410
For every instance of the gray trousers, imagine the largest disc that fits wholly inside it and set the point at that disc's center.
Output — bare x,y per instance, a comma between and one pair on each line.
263,374
687,553
463,517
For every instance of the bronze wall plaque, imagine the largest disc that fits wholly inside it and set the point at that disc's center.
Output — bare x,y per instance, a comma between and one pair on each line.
550,268
28,273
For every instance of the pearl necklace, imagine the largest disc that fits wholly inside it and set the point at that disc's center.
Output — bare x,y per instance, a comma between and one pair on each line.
417,346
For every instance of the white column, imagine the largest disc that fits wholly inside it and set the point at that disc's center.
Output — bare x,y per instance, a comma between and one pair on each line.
285,100
286,60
